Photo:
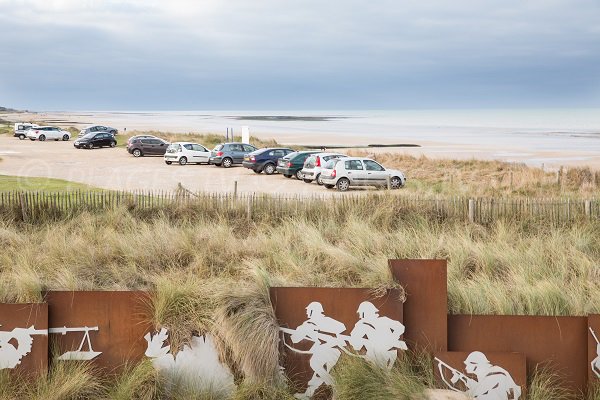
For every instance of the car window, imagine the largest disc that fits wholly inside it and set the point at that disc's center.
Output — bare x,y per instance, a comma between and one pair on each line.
153,141
331,164
371,165
235,147
249,148
101,128
218,147
279,153
146,141
310,162
197,147
173,148
188,146
353,165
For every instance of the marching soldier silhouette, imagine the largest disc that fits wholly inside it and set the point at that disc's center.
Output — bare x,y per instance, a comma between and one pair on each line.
492,383
11,354
325,352
379,336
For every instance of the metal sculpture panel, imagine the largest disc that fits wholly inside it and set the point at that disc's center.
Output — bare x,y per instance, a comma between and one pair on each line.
24,338
594,347
318,325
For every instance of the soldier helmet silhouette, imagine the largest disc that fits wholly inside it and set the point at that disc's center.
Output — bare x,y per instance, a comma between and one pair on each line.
314,308
474,360
366,308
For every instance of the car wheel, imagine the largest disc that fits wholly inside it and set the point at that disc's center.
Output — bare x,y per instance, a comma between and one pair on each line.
113,144
269,169
137,153
307,180
396,182
182,161
217,165
42,138
227,162
319,180
343,184
65,138
257,171
287,176
90,146
329,186
168,162
32,139
299,175
21,137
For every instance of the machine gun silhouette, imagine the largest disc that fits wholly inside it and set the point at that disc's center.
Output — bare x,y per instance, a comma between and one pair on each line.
456,376
79,354
11,353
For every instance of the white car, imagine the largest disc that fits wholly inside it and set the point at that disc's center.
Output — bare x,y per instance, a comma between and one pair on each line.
21,129
311,171
356,171
42,133
185,153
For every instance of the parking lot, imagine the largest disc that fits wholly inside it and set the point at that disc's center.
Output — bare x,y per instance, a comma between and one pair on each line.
114,168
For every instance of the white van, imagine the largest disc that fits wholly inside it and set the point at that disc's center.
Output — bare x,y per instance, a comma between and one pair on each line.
21,129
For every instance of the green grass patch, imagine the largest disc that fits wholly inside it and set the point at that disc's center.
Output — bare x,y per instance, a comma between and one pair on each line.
8,183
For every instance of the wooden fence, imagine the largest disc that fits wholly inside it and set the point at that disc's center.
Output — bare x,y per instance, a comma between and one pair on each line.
30,205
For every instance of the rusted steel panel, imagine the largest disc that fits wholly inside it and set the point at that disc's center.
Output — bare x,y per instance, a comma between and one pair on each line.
24,350
426,307
559,342
507,372
290,306
593,365
113,323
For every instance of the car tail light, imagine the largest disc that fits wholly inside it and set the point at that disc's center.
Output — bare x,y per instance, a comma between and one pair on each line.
333,173
252,158
289,164
318,162
219,153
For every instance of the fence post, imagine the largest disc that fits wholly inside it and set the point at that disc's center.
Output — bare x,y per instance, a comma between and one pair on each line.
249,208
471,210
588,209
389,182
235,189
23,207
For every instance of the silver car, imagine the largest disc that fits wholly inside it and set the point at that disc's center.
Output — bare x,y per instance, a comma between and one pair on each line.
311,171
97,129
346,172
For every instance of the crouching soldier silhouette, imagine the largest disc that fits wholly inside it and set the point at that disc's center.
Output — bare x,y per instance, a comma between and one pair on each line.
596,361
492,383
11,353
379,336
326,349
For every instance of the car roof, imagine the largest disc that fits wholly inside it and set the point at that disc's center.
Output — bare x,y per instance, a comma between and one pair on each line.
238,143
329,154
187,143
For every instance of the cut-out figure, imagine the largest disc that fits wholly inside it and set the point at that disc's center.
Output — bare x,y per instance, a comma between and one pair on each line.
323,332
11,353
596,361
492,383
197,364
79,354
379,336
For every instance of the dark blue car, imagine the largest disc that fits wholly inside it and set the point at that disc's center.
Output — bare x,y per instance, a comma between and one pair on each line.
265,159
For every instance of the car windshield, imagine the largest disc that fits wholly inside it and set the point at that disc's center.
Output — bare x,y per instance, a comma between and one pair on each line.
218,147
331,163
88,135
174,148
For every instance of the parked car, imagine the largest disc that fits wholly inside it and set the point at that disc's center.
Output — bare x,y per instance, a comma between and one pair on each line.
186,153
344,173
311,171
265,159
92,140
147,146
228,154
291,165
42,133
97,129
21,129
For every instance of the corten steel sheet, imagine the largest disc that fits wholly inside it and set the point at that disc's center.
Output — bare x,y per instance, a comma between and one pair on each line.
513,363
426,307
33,360
559,342
341,304
593,365
121,319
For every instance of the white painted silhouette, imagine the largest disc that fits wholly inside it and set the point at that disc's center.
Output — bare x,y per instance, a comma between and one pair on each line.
79,354
596,361
197,364
492,383
11,353
379,336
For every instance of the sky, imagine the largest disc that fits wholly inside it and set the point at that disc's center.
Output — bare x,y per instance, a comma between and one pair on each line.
299,54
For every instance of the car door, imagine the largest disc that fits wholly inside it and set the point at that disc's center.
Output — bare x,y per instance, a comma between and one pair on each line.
356,172
201,154
160,147
148,146
376,174
236,152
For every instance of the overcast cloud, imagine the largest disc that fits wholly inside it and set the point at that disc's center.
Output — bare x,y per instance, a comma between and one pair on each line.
293,54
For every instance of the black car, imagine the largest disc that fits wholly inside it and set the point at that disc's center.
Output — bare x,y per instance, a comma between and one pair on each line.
92,140
147,146
291,165
265,159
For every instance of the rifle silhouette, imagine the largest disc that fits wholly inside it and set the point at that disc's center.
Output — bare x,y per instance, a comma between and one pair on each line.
339,340
456,376
594,335
30,331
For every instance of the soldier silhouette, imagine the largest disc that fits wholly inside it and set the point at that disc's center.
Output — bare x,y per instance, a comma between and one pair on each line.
492,383
596,361
10,354
325,352
379,336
